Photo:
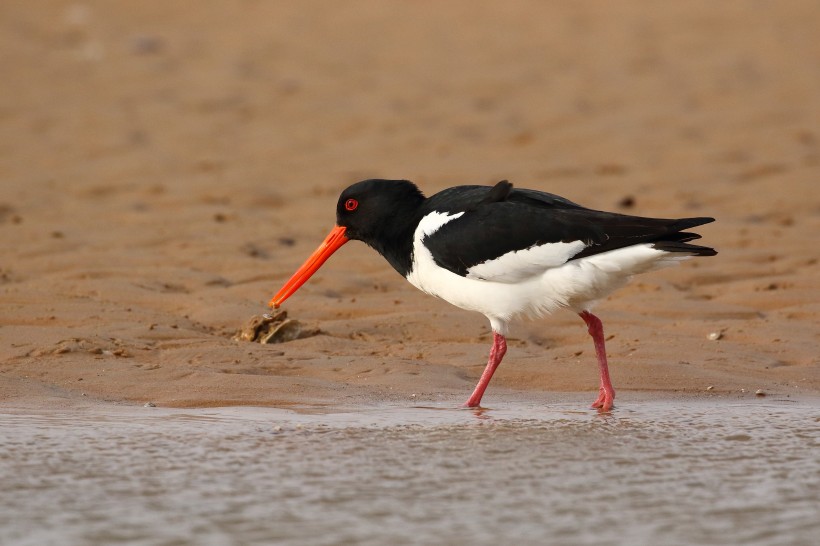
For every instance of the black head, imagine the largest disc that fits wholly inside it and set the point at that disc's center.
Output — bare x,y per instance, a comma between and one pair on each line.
382,213
373,209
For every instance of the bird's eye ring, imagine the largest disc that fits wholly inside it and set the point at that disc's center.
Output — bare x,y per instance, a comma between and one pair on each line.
351,205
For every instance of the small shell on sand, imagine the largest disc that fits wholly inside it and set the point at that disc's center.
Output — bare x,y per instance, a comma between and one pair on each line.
274,328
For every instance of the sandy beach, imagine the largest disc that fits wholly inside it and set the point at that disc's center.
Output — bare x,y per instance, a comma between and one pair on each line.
163,171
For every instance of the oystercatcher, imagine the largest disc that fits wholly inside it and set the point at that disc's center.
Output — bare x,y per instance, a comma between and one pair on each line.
504,252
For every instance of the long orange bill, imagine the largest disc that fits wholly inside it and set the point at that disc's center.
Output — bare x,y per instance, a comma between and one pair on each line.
335,239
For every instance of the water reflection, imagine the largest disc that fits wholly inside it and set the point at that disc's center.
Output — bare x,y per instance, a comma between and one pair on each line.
647,473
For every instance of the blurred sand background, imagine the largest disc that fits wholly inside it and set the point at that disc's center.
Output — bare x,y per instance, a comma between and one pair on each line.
163,170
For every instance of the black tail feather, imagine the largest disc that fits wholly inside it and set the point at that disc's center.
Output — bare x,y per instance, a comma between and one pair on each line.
679,244
686,223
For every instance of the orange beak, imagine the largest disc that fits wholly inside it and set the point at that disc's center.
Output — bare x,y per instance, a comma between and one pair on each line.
335,239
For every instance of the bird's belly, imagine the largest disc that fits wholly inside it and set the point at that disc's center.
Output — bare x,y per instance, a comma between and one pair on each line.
577,284
500,302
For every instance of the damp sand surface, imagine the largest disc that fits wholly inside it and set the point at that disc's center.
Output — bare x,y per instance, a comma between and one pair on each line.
683,471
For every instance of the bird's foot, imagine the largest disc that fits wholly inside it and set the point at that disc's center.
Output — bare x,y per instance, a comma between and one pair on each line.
605,400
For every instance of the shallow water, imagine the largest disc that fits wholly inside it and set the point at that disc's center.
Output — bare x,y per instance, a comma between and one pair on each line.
682,472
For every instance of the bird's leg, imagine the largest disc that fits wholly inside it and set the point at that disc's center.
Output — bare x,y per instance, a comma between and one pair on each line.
496,354
606,396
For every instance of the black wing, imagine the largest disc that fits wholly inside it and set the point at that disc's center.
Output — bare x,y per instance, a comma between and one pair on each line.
498,221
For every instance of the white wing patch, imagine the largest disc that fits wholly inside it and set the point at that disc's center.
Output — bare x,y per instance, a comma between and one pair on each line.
431,224
518,265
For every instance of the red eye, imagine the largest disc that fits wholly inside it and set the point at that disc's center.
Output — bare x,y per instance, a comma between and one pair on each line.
351,204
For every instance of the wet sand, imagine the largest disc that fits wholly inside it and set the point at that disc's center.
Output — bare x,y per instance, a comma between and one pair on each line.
165,170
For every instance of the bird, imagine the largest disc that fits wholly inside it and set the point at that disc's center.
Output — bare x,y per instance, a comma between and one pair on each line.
508,253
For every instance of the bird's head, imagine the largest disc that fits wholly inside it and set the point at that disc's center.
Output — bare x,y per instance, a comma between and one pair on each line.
371,211
370,208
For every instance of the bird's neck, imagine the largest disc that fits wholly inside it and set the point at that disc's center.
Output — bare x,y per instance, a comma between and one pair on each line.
394,241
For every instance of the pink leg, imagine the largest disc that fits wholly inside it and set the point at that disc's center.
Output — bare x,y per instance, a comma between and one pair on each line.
496,354
606,395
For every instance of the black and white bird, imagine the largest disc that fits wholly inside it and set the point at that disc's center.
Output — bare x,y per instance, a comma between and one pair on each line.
504,252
